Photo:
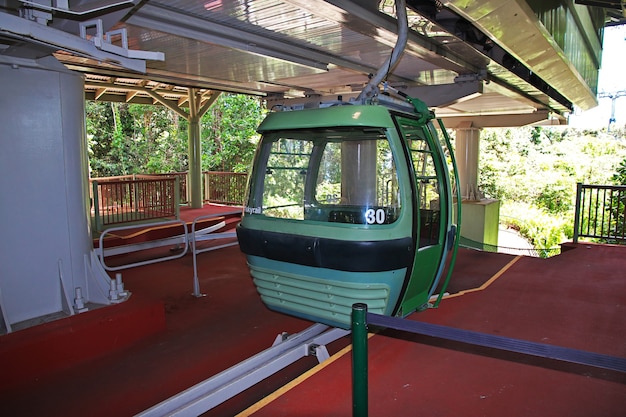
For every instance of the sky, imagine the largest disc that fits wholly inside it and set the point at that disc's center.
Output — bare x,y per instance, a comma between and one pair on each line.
612,79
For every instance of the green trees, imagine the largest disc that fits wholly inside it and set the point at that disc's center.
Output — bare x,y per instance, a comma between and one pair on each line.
130,138
534,171
619,178
228,132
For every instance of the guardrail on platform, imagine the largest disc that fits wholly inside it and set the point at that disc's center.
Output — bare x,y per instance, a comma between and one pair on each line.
600,213
180,241
225,187
124,201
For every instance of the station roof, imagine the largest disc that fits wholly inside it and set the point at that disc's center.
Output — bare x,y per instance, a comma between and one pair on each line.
495,64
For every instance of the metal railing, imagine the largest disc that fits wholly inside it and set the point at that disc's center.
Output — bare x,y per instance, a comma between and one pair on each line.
179,241
600,213
183,192
225,187
118,201
135,198
208,233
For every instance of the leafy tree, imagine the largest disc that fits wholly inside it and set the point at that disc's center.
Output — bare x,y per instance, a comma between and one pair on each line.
229,133
619,178
100,128
132,138
534,171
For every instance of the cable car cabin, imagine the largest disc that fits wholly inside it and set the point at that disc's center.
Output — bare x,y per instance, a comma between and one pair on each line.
347,204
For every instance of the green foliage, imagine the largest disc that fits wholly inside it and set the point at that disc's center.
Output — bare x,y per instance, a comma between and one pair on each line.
228,133
143,139
543,230
534,172
619,178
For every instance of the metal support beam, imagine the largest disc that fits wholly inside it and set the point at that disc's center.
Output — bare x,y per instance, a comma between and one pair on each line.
503,120
52,39
195,146
443,95
210,393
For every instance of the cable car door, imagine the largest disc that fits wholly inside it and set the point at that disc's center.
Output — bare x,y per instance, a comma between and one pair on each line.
432,202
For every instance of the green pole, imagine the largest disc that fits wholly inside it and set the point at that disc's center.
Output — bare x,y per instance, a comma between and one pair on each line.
359,360
195,152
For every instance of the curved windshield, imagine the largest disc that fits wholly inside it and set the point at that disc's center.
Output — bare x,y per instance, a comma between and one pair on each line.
328,175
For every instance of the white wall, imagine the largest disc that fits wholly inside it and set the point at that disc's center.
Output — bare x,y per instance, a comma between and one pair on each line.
44,227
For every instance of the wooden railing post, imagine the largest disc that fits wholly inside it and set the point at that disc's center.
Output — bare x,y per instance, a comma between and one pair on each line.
177,196
96,206
577,211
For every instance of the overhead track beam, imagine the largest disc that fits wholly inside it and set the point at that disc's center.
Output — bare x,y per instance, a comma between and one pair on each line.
383,29
165,20
534,46
478,121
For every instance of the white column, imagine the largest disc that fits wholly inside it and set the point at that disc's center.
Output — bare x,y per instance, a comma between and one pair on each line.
467,154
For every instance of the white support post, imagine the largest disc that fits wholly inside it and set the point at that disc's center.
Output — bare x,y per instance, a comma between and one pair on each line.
467,150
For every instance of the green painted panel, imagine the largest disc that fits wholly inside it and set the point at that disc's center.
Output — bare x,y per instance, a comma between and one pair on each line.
347,115
324,294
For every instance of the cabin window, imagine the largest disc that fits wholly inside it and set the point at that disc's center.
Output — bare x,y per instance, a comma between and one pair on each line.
285,176
329,175
427,182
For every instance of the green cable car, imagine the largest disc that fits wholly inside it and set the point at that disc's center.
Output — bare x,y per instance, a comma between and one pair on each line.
350,203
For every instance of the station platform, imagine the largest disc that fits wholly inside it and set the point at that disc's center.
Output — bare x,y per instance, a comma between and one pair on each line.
575,300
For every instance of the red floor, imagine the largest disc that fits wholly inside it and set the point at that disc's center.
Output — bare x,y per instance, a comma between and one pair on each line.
575,300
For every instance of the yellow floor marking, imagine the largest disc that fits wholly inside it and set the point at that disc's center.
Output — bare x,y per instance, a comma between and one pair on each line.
489,281
284,389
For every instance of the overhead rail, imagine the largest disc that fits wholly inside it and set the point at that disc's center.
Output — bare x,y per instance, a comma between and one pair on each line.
600,213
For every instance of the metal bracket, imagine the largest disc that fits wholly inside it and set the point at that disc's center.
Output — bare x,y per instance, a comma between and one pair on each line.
468,78
320,352
102,41
100,48
5,325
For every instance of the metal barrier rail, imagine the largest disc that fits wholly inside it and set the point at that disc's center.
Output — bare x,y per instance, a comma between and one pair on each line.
135,200
185,241
600,212
361,318
178,240
205,235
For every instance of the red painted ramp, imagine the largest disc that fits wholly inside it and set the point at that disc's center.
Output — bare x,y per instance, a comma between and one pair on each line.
575,300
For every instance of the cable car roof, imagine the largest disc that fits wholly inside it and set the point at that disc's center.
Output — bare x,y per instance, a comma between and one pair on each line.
487,62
